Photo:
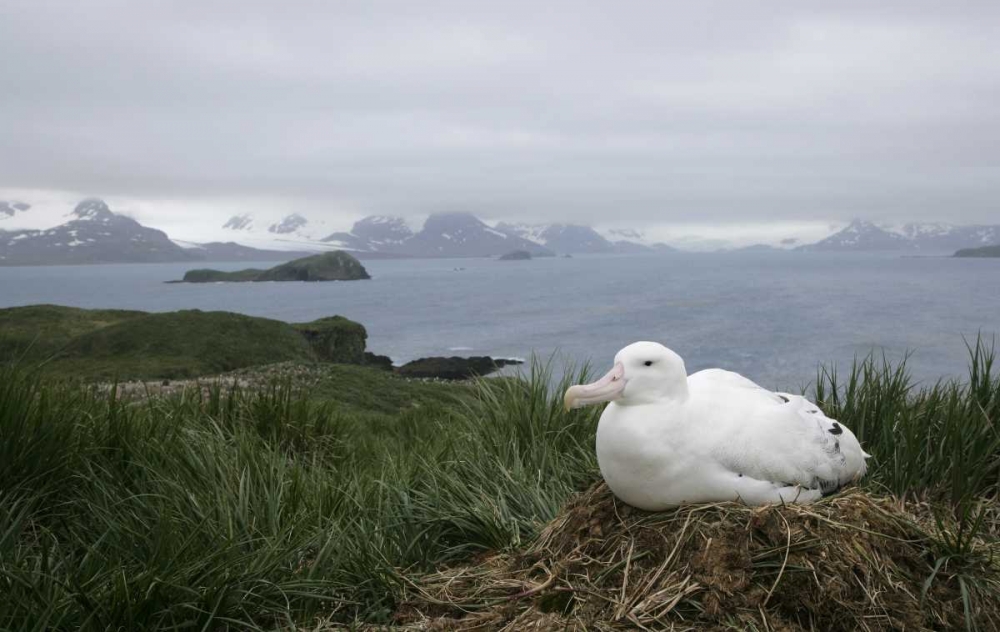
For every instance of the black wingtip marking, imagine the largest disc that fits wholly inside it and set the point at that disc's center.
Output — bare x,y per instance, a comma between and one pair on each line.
827,487
784,398
836,430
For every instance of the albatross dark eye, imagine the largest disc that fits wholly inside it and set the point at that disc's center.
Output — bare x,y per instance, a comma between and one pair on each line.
648,363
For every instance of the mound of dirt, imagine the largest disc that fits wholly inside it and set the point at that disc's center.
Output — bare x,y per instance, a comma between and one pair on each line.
850,562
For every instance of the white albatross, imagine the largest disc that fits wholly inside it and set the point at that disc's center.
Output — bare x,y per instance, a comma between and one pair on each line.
668,438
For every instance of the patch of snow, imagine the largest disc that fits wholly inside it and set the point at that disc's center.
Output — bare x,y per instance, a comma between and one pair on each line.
187,245
623,234
531,232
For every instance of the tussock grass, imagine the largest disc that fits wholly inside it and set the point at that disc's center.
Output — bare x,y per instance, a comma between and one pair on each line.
941,439
281,508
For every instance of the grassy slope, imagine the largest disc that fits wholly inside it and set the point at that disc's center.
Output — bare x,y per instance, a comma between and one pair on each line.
355,390
329,266
37,332
108,344
269,507
181,344
207,275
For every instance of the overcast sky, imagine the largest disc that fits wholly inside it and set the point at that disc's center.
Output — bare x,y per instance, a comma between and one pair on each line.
643,113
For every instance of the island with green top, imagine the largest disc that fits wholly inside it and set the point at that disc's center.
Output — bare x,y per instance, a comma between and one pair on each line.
329,266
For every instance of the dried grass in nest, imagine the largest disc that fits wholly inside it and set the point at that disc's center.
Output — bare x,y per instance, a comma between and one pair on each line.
850,562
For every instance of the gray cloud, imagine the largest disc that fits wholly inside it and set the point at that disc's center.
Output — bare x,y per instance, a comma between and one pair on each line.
642,111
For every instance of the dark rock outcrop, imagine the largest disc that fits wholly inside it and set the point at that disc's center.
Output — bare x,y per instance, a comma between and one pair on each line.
335,339
288,224
453,368
376,361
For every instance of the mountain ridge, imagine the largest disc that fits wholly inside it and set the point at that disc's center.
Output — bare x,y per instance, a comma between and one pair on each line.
96,235
93,233
865,236
450,234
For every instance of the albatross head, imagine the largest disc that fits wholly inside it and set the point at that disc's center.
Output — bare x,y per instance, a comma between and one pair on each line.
644,372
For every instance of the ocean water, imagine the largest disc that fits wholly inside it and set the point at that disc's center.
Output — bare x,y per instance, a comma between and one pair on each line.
774,317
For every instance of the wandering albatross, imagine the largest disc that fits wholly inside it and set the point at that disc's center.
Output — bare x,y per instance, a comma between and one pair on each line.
667,438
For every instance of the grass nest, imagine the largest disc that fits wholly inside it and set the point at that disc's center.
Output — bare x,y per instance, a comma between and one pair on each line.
849,562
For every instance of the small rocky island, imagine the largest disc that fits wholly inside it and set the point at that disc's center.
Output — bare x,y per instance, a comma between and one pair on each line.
329,266
985,251
515,255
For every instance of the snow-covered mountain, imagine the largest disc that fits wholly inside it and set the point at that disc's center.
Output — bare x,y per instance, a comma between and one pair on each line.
93,235
577,239
862,235
375,233
443,235
464,235
947,237
291,231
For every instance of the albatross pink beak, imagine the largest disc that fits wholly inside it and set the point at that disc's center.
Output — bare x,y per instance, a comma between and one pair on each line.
605,389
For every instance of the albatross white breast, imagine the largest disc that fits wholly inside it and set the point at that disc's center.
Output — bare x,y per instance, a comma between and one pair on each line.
667,438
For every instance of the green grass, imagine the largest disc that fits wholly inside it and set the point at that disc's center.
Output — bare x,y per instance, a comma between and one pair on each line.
181,344
276,507
206,275
37,332
941,438
115,344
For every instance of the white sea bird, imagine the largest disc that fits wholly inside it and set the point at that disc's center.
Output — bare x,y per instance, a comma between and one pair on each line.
668,438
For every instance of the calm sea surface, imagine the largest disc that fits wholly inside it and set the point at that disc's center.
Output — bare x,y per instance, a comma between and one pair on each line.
775,317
